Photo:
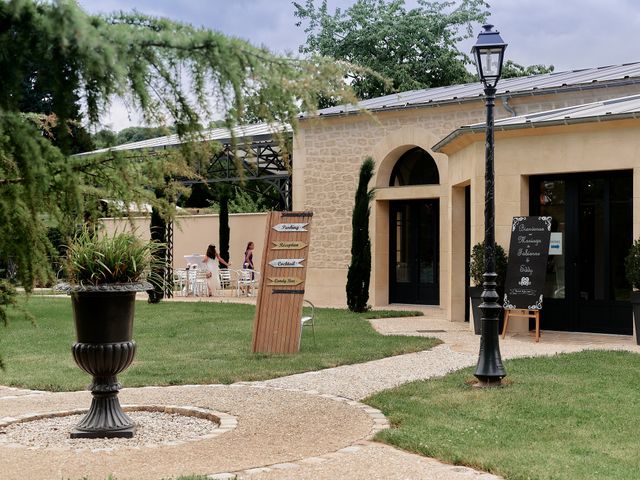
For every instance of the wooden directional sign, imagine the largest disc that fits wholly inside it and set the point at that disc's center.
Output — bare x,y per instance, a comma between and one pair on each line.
287,262
290,227
288,245
284,281
276,328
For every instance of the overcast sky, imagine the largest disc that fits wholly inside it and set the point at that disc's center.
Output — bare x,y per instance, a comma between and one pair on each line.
568,34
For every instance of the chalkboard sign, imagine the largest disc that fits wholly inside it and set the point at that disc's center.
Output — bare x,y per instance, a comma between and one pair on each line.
526,270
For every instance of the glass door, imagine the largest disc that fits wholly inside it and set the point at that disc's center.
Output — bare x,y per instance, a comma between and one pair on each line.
414,252
585,287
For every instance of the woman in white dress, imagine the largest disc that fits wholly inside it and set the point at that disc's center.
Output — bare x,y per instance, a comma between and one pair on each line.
210,262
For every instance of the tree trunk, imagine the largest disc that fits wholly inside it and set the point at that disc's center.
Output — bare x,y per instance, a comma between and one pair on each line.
158,266
224,232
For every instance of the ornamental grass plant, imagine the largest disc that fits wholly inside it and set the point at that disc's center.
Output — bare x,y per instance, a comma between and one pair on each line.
94,259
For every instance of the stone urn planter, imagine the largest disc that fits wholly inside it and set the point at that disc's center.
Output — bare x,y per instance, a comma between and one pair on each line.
104,347
104,274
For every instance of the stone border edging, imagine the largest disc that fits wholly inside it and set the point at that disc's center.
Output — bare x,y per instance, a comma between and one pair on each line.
27,392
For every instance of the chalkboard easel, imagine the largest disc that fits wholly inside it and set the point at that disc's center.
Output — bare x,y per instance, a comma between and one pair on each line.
519,312
526,269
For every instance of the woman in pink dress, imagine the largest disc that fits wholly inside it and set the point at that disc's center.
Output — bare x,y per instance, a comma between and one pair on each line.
247,264
248,257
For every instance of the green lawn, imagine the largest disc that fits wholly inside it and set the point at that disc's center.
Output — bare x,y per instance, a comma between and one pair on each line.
573,416
182,343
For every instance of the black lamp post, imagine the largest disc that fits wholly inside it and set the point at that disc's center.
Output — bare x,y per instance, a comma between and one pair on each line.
488,53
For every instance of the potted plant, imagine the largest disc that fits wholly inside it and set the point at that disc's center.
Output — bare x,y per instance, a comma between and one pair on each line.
632,269
476,270
104,273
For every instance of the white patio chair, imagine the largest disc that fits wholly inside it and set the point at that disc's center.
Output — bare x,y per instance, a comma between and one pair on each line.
226,280
196,281
180,281
200,283
247,280
307,320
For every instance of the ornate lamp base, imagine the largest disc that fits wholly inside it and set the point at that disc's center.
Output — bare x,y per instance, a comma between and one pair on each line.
105,418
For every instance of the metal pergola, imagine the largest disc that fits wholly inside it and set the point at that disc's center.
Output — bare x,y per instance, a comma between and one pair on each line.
254,157
253,166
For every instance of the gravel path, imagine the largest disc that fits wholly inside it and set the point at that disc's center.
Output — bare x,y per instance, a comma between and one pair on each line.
361,380
152,428
274,426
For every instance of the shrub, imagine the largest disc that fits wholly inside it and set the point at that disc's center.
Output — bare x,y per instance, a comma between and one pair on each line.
632,265
476,266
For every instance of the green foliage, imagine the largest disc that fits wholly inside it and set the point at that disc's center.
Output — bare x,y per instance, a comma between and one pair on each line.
172,72
104,138
247,202
416,48
100,259
39,94
210,344
137,134
257,197
632,265
476,265
7,297
359,273
511,69
223,228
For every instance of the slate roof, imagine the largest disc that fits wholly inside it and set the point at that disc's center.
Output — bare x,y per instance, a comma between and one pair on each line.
613,109
259,132
584,78
598,77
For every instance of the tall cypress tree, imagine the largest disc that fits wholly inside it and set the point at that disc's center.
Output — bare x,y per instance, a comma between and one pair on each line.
360,267
224,228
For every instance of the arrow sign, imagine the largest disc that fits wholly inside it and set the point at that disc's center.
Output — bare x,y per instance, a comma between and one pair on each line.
287,262
290,227
288,245
284,281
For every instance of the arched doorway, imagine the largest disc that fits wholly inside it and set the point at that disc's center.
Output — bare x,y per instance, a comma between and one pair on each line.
414,267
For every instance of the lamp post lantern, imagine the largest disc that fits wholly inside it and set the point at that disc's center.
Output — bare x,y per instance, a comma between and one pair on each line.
488,53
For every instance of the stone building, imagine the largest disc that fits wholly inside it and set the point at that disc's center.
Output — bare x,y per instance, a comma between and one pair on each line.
567,145
428,146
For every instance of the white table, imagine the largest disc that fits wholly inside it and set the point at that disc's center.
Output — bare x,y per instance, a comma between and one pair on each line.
194,258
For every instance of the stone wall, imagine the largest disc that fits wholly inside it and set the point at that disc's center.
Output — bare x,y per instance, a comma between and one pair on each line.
328,155
193,233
